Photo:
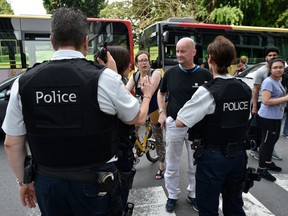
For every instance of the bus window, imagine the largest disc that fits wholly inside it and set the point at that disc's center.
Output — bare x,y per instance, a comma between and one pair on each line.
114,33
37,48
249,41
282,44
9,54
25,40
151,46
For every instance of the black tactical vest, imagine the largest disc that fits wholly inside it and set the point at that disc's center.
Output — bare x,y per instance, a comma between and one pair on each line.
228,123
65,126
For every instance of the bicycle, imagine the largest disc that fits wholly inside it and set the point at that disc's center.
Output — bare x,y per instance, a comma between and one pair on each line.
147,145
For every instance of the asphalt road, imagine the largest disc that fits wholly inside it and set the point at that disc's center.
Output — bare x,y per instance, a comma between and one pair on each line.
265,198
149,195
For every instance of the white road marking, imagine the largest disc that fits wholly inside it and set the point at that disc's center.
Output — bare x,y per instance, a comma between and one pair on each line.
281,180
149,201
152,200
252,206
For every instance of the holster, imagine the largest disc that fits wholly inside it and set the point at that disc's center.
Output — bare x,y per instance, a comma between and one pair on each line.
198,147
129,209
250,176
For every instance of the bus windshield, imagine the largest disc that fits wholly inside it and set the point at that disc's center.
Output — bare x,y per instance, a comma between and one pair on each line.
25,40
160,40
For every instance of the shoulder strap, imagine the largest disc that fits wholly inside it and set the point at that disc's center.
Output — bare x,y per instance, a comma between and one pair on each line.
150,72
136,76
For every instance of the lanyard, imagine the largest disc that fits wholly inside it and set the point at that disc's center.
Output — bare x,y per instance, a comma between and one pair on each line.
189,71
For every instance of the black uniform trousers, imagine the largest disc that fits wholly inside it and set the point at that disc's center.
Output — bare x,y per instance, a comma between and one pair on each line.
215,171
57,197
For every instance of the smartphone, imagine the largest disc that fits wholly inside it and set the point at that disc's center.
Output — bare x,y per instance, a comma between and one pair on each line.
102,54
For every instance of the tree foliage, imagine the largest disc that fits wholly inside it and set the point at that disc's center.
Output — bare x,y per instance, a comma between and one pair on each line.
5,7
269,13
282,21
157,10
143,13
226,15
90,7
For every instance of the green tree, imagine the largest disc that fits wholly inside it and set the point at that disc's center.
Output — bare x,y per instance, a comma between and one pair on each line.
113,11
144,13
226,15
269,13
5,7
282,21
90,7
156,10
121,10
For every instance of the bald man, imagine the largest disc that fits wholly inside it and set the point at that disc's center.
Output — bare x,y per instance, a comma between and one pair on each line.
179,82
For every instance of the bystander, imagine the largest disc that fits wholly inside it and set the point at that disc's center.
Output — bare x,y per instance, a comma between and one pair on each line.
179,84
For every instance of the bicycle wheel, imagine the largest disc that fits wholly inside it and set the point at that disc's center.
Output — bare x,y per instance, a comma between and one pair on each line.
151,154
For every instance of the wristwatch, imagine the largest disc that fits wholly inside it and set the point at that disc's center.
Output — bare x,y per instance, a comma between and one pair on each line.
20,183
161,110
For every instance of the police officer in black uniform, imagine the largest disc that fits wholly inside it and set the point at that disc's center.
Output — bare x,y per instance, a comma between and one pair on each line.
219,112
68,110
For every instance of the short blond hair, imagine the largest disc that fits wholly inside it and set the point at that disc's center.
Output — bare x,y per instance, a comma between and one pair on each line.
243,59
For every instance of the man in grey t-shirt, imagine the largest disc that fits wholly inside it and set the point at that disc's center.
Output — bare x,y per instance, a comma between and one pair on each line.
259,77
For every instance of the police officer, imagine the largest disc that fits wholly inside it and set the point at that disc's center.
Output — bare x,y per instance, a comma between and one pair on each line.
67,110
222,108
126,133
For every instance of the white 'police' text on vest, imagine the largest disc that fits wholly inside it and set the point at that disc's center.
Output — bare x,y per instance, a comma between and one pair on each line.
235,106
55,97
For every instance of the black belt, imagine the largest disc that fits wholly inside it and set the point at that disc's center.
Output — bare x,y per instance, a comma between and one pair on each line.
85,176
